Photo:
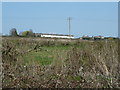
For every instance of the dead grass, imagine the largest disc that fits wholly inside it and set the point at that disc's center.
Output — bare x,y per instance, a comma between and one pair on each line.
75,64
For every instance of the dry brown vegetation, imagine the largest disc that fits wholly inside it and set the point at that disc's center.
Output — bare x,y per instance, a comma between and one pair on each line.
58,63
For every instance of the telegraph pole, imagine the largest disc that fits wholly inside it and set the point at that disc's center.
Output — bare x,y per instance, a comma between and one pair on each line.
69,20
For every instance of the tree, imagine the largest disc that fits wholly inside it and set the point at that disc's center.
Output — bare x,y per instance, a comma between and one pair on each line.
25,33
28,33
13,32
31,34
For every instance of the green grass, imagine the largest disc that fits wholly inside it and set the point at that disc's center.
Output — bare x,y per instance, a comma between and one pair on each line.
41,57
46,55
75,78
49,53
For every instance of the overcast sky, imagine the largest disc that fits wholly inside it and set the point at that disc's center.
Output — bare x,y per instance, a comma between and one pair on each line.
88,18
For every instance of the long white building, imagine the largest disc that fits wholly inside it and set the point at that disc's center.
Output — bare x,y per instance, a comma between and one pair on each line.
53,35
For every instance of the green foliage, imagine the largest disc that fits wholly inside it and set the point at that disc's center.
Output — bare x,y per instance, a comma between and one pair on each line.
28,33
25,33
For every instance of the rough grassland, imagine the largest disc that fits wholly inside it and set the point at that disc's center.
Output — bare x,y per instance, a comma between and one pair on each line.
60,63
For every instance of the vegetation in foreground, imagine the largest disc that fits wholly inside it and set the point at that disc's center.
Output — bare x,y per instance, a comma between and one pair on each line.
34,63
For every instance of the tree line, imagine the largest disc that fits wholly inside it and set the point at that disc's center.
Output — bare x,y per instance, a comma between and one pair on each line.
28,33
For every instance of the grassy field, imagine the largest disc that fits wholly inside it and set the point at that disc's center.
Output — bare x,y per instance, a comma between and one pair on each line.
60,63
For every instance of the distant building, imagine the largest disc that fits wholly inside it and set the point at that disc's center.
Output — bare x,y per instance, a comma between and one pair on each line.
98,37
111,38
86,37
53,35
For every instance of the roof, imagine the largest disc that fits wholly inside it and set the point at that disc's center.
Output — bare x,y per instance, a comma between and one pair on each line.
51,34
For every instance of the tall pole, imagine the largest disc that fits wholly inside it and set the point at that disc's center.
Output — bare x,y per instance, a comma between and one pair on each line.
69,19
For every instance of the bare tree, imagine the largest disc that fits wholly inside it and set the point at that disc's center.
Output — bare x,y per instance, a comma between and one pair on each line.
13,32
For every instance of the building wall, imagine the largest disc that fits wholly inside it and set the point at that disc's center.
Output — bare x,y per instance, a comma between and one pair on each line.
55,36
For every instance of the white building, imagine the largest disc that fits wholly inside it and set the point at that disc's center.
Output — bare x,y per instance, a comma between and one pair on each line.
53,35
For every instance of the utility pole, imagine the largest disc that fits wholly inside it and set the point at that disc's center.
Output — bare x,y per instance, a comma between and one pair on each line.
69,19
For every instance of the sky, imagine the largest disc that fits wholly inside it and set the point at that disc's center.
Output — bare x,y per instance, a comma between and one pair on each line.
87,18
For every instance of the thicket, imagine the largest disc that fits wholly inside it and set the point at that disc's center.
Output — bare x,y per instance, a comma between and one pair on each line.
86,64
